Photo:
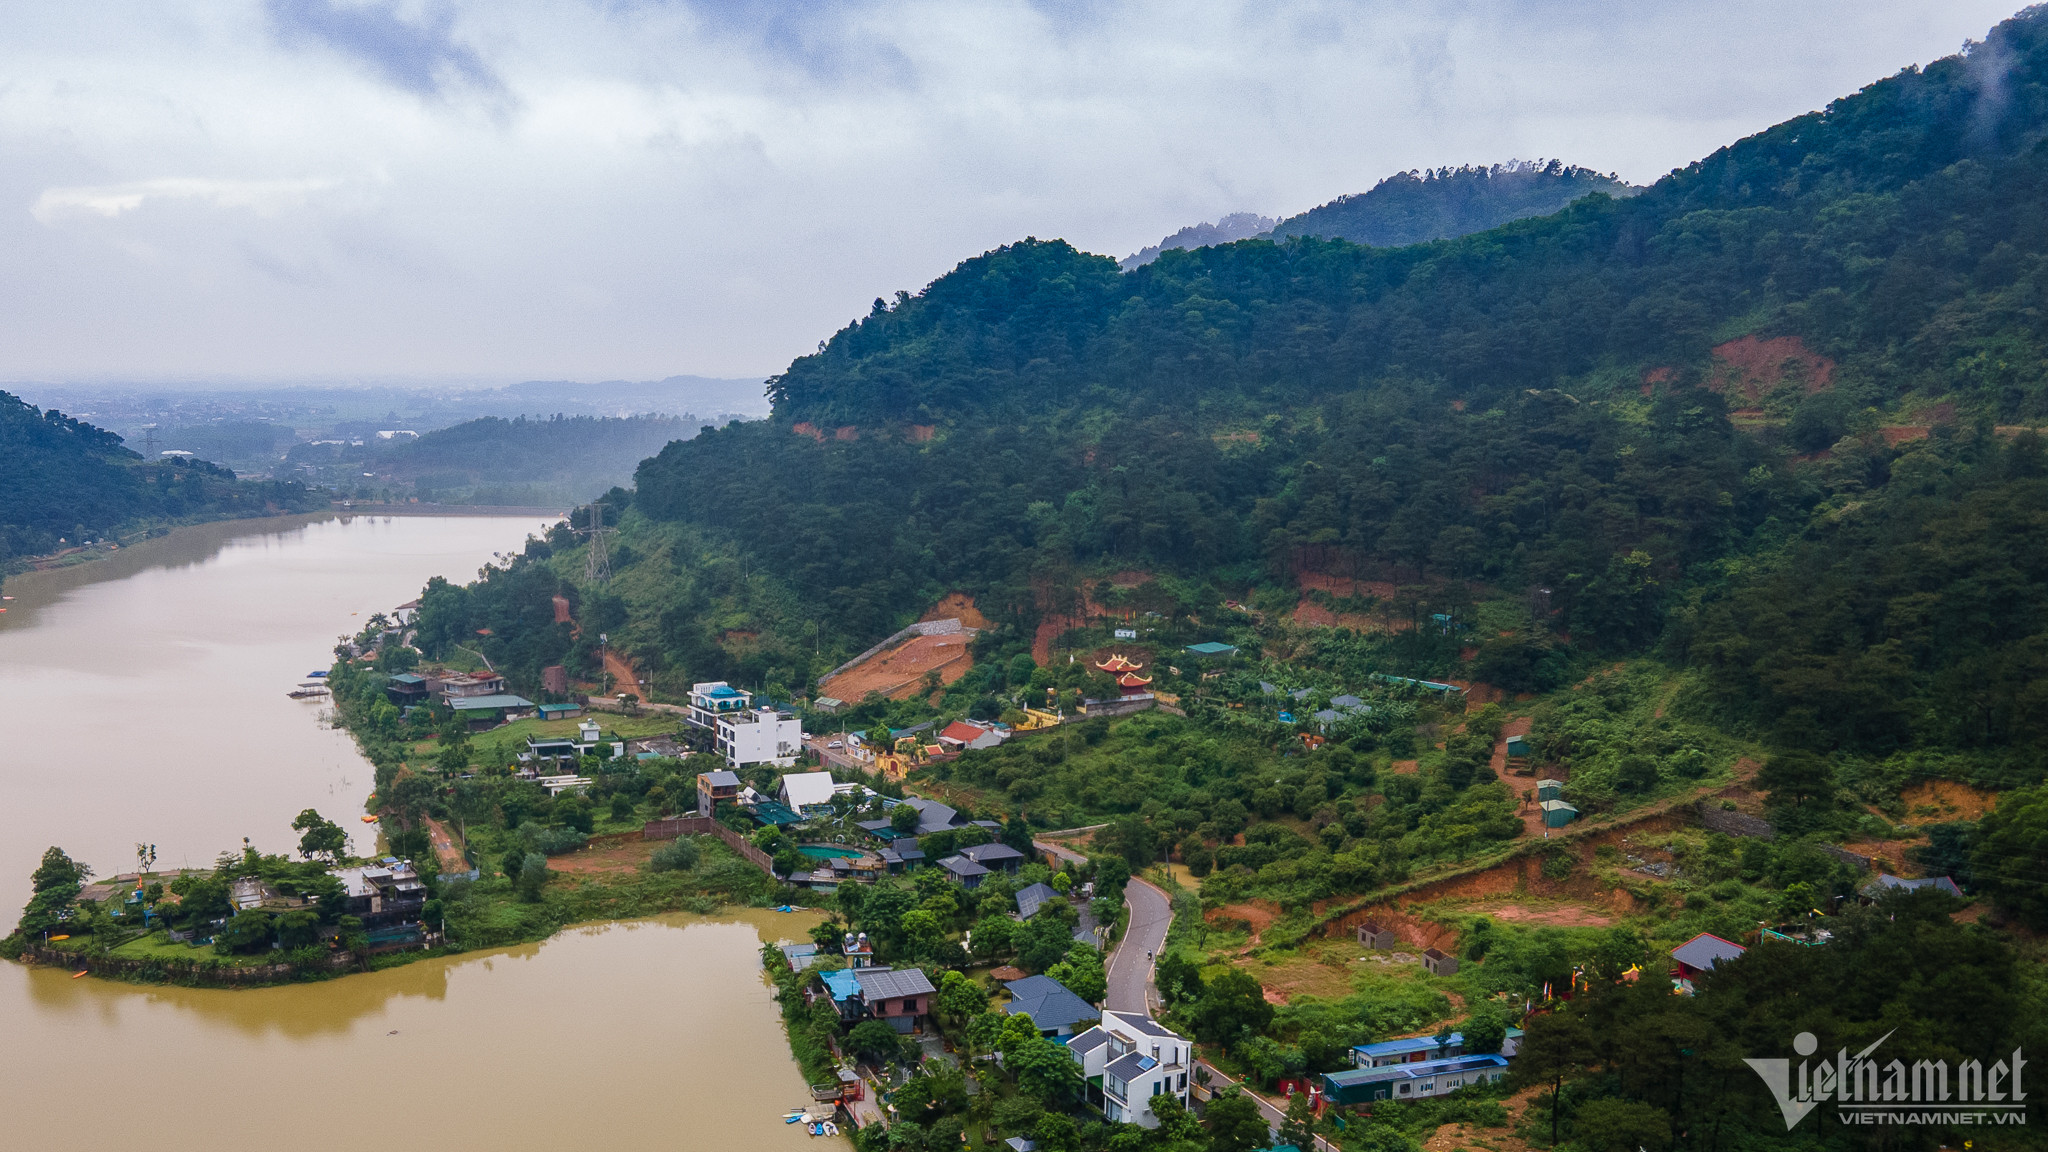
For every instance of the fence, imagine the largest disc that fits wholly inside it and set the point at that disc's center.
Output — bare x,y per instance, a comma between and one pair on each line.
704,825
921,628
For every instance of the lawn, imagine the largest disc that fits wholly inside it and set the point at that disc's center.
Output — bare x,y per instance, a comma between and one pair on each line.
511,738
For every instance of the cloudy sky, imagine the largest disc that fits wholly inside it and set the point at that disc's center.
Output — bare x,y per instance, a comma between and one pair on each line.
278,190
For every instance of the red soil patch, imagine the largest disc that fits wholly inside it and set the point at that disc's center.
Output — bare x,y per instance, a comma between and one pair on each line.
1660,375
1555,916
1952,801
1407,767
1225,438
2011,430
739,636
618,852
1900,434
959,606
562,610
1524,787
1309,614
445,850
1750,367
806,428
921,433
898,672
624,679
1255,913
848,432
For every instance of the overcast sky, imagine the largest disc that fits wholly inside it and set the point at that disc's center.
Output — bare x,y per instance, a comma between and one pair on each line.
276,190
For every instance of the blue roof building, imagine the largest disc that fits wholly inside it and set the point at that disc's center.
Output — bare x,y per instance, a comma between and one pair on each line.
1412,1080
1405,1051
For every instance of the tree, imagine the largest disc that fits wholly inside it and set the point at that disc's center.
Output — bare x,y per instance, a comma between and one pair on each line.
323,838
1484,1033
245,932
55,883
903,819
961,997
533,876
1233,1005
1554,1046
1801,786
1612,1125
1082,972
1235,1123
1043,1069
2009,858
876,1040
1299,1127
1017,833
995,934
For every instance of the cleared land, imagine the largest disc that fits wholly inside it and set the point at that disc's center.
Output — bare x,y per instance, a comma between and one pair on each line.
899,672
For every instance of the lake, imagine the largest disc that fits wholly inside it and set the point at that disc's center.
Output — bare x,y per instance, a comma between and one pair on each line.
143,698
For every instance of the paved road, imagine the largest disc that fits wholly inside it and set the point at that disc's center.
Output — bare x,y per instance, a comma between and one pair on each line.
1130,968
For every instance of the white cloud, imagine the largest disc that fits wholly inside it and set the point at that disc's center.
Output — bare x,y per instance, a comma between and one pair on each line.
107,200
639,188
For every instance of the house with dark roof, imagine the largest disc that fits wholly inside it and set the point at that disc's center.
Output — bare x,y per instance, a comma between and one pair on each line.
896,996
1699,955
933,816
800,956
1887,882
1050,1005
715,788
1032,897
1439,962
964,872
1373,935
902,855
1128,1059
995,857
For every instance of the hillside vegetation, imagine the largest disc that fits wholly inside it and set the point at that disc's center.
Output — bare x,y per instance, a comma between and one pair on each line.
65,482
1445,203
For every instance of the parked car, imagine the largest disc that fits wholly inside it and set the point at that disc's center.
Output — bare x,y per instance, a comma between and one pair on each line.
836,744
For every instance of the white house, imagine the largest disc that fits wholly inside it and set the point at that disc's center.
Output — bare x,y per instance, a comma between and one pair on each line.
761,736
1138,1058
713,699
801,790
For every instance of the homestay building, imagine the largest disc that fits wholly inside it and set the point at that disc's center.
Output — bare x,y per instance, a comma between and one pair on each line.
587,738
895,996
1411,1080
387,895
1128,1059
486,712
808,793
713,699
961,735
759,736
715,788
1051,1005
1698,956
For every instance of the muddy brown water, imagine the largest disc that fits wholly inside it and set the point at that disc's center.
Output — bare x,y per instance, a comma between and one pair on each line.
142,697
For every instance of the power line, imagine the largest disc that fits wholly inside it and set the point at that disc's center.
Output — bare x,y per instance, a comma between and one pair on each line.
597,565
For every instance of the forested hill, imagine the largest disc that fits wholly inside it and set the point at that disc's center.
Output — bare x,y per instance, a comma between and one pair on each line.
1760,418
1444,203
63,481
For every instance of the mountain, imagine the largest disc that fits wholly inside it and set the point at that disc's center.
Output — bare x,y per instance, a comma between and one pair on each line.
65,482
1444,203
1236,226
557,461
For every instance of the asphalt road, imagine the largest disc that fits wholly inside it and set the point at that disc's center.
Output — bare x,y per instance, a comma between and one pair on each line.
1130,967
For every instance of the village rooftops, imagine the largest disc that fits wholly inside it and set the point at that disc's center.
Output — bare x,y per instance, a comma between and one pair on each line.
842,983
801,790
1049,1003
1705,950
800,956
720,779
1212,648
1143,1025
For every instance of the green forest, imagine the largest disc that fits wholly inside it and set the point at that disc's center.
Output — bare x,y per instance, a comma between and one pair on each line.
1442,203
64,483
1731,489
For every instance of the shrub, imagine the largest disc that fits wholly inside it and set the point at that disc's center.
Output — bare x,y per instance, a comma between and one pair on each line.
678,855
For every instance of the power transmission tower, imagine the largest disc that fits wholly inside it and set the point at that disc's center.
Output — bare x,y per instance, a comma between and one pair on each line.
597,566
149,442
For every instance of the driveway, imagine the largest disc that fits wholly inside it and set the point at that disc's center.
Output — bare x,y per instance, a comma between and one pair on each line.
1130,968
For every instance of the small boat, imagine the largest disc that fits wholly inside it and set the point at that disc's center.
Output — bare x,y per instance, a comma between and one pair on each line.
316,675
831,1129
306,693
369,819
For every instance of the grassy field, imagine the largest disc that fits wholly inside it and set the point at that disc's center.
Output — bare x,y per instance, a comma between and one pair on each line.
511,738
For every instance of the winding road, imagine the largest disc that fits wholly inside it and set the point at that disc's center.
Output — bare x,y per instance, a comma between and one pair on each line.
1130,966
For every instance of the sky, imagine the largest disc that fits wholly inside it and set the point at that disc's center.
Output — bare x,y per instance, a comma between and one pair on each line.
328,190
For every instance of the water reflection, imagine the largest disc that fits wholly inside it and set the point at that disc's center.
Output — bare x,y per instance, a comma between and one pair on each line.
654,1034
